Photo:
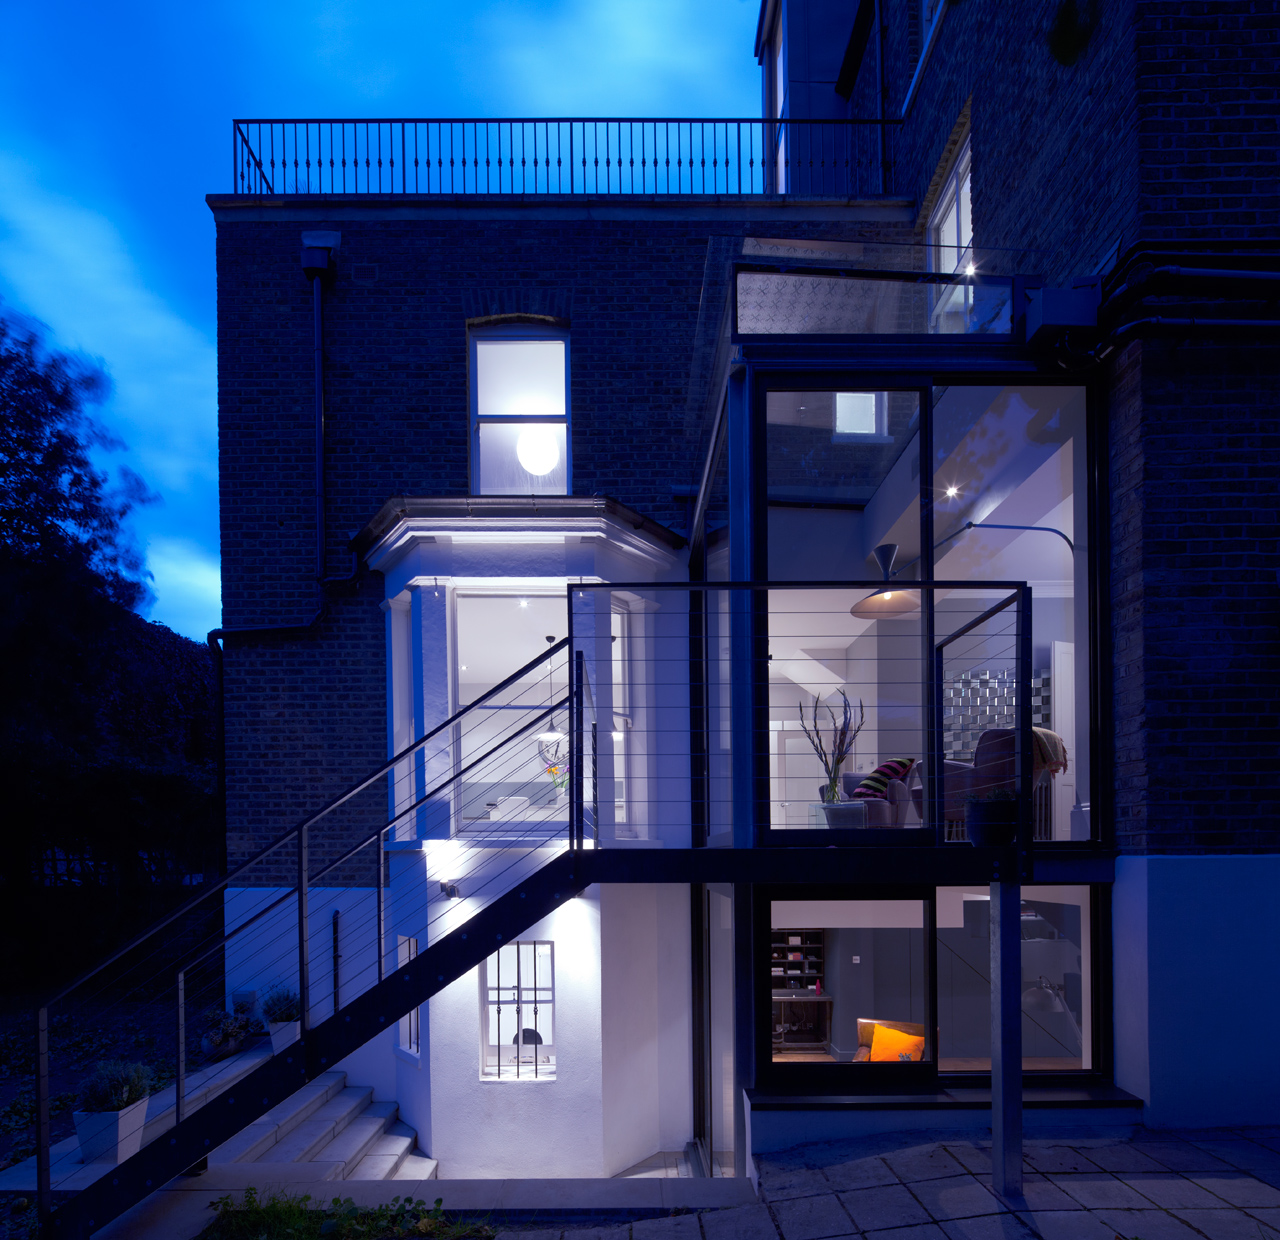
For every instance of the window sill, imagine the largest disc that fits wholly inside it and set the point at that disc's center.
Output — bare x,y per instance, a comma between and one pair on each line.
412,1058
541,1079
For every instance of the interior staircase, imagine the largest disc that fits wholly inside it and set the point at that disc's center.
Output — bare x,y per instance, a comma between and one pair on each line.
333,1125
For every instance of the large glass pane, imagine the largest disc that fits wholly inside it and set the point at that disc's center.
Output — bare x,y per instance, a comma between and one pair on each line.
1009,505
835,447
520,378
511,780
845,708
523,458
849,982
851,304
1056,986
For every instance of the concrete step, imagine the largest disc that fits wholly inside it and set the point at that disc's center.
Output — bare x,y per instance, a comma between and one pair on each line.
358,1137
386,1155
253,1142
418,1167
306,1139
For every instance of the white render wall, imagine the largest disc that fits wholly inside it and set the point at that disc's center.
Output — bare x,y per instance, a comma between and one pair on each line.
483,1129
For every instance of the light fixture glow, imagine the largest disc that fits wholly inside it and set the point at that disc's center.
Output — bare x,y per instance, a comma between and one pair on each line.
537,450
886,605
524,602
952,492
970,270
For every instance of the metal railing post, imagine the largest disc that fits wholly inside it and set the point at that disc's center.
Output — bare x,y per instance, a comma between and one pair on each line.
575,750
382,910
304,971
44,1178
180,1081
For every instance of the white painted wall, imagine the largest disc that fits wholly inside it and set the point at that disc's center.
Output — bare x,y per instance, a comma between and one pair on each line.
482,1129
1196,996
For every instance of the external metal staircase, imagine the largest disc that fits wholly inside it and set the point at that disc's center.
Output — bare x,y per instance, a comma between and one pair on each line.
295,1105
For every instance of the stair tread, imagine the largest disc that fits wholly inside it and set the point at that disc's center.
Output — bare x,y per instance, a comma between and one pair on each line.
302,1142
252,1142
354,1141
387,1154
417,1167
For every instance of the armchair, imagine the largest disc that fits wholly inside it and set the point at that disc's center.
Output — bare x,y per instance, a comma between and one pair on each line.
993,767
891,812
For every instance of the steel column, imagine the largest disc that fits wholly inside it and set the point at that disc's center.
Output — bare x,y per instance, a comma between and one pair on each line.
1006,1038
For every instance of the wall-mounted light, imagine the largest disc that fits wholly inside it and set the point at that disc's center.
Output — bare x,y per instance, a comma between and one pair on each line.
952,491
450,891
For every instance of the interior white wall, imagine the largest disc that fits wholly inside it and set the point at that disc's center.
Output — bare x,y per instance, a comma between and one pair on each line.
1196,941
487,1129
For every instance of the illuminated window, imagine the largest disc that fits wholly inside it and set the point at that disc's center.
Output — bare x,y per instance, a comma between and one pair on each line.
519,412
518,1012
951,222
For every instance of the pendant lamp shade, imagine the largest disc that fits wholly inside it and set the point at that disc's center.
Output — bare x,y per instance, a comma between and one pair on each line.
887,605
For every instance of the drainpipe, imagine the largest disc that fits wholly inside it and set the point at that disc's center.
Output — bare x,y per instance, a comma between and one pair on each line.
317,266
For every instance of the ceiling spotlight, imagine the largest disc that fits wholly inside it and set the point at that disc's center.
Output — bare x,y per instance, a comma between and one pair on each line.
970,270
952,492
524,602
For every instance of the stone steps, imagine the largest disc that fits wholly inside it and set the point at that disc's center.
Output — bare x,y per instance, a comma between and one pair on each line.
333,1126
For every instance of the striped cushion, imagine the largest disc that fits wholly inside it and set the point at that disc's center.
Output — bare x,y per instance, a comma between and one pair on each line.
875,787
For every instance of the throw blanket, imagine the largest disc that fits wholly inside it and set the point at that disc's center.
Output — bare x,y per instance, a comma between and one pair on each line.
1050,751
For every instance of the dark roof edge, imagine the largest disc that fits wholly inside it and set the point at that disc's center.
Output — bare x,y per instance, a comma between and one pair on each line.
477,507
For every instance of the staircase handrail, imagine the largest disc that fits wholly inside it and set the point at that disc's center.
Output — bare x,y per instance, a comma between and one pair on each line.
341,799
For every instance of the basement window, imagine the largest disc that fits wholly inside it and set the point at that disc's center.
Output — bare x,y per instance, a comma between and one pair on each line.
517,1019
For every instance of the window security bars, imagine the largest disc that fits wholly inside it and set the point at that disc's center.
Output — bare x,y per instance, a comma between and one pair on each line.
519,1012
560,156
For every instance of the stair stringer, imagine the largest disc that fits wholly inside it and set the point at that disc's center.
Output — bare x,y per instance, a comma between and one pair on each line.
411,985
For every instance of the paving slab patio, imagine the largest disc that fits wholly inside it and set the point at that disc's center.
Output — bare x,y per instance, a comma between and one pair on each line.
924,1185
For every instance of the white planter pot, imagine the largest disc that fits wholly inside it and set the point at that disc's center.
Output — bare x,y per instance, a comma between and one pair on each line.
111,1136
284,1033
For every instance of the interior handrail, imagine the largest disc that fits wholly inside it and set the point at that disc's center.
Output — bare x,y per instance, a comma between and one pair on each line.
342,798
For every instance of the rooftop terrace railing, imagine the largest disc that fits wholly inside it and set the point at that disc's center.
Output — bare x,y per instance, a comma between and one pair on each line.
561,156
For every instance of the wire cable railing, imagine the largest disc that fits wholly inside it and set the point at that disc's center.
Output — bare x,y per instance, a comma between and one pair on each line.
562,156
300,930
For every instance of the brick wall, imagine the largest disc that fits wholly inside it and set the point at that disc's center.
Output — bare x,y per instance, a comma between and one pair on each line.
1195,457
306,717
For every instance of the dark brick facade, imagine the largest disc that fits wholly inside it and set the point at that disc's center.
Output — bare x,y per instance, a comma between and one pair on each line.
1097,129
306,716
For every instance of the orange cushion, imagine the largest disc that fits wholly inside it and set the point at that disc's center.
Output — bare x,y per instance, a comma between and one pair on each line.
890,1046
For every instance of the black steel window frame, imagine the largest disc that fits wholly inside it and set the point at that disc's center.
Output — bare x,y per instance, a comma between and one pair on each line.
818,371
841,1078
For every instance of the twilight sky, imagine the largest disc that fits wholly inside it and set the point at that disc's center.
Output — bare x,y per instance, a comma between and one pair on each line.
115,122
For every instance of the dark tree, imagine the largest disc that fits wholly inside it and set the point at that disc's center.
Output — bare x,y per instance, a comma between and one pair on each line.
106,720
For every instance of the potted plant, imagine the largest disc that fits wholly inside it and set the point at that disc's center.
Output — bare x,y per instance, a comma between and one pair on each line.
225,1032
282,1010
843,738
991,818
114,1111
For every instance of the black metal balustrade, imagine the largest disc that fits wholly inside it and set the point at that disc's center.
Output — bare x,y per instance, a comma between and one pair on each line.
562,156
